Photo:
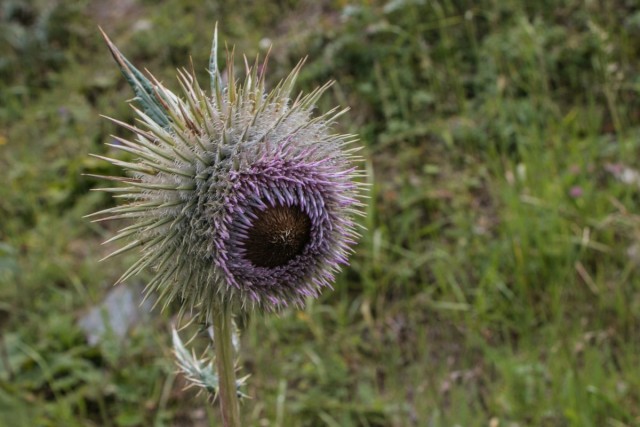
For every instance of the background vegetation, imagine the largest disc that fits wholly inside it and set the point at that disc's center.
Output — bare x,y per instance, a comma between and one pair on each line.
497,284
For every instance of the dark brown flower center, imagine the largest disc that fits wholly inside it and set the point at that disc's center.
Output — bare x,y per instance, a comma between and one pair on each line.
277,235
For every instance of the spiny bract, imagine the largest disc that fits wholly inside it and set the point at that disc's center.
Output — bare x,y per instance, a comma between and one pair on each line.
239,197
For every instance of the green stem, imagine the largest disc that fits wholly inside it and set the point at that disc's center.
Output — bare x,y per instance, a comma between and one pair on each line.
222,330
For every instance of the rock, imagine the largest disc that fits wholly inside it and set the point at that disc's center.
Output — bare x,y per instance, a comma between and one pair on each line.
122,309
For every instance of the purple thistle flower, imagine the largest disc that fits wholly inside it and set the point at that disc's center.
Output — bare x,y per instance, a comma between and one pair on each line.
239,197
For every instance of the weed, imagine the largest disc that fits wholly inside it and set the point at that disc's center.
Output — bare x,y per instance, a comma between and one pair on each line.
496,283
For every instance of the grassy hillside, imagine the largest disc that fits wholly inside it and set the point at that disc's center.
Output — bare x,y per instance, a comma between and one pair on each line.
497,282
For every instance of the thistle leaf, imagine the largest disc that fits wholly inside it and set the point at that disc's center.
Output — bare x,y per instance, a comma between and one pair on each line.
200,372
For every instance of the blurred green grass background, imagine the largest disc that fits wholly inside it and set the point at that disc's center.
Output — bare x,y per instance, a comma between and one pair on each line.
497,283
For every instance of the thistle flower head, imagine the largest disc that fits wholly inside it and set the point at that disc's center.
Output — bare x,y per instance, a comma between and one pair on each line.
239,196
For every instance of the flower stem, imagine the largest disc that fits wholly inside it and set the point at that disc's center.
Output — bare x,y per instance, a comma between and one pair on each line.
222,330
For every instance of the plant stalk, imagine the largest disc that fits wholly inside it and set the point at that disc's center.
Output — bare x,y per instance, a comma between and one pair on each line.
222,334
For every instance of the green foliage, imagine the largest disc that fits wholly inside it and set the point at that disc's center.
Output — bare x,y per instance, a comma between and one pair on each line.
497,281
37,40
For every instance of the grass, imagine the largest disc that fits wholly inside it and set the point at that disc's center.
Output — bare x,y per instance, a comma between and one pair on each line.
497,283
